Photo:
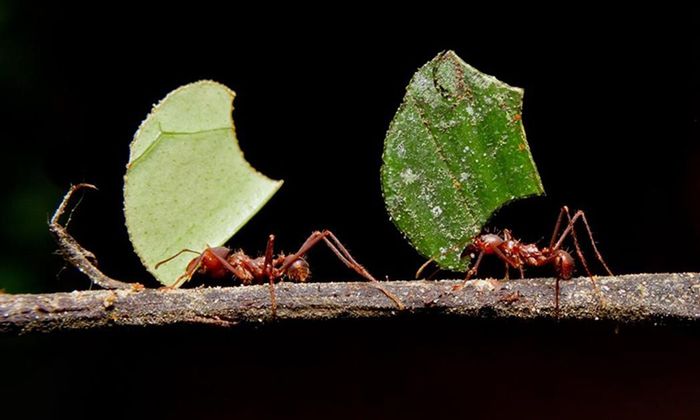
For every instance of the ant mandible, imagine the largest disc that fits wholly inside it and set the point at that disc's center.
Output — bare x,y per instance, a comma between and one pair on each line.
516,254
218,262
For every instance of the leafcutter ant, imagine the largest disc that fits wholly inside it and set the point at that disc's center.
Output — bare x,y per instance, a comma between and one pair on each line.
220,262
516,254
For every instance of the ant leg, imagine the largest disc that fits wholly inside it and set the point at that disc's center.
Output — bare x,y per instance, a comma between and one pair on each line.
269,250
221,259
184,278
598,255
570,229
343,255
557,226
577,244
507,236
309,243
471,272
187,275
267,271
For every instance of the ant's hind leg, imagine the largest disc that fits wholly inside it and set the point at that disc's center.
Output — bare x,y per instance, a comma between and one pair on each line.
343,255
598,255
570,230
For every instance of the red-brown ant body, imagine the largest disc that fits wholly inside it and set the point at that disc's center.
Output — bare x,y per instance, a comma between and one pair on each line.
219,262
516,254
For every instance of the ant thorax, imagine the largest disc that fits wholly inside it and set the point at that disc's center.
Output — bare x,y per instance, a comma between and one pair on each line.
249,270
244,268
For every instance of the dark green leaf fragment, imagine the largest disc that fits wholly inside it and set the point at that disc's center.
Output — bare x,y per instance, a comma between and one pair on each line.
455,152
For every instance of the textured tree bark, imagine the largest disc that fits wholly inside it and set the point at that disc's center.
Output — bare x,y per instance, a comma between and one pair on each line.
665,298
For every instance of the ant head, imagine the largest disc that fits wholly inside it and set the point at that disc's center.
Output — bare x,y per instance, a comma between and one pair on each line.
195,265
210,263
485,243
299,270
564,264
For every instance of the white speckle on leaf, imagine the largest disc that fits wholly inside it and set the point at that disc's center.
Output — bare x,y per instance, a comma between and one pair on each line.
401,150
408,176
436,211
464,177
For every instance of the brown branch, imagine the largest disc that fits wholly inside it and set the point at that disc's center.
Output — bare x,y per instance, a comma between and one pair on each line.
78,256
631,298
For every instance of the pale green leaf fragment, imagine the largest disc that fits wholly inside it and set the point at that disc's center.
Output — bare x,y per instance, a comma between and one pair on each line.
187,184
454,153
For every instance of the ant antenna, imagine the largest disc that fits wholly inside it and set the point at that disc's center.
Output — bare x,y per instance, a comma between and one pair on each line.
423,267
175,256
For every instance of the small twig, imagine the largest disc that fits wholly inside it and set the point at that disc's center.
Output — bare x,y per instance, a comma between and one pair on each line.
657,298
78,256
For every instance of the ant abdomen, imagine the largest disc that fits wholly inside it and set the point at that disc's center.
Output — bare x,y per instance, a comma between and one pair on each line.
299,271
564,264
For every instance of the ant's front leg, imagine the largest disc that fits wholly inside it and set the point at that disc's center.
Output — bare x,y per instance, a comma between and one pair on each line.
189,272
470,273
509,262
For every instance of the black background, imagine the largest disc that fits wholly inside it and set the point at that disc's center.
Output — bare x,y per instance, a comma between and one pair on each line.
611,113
